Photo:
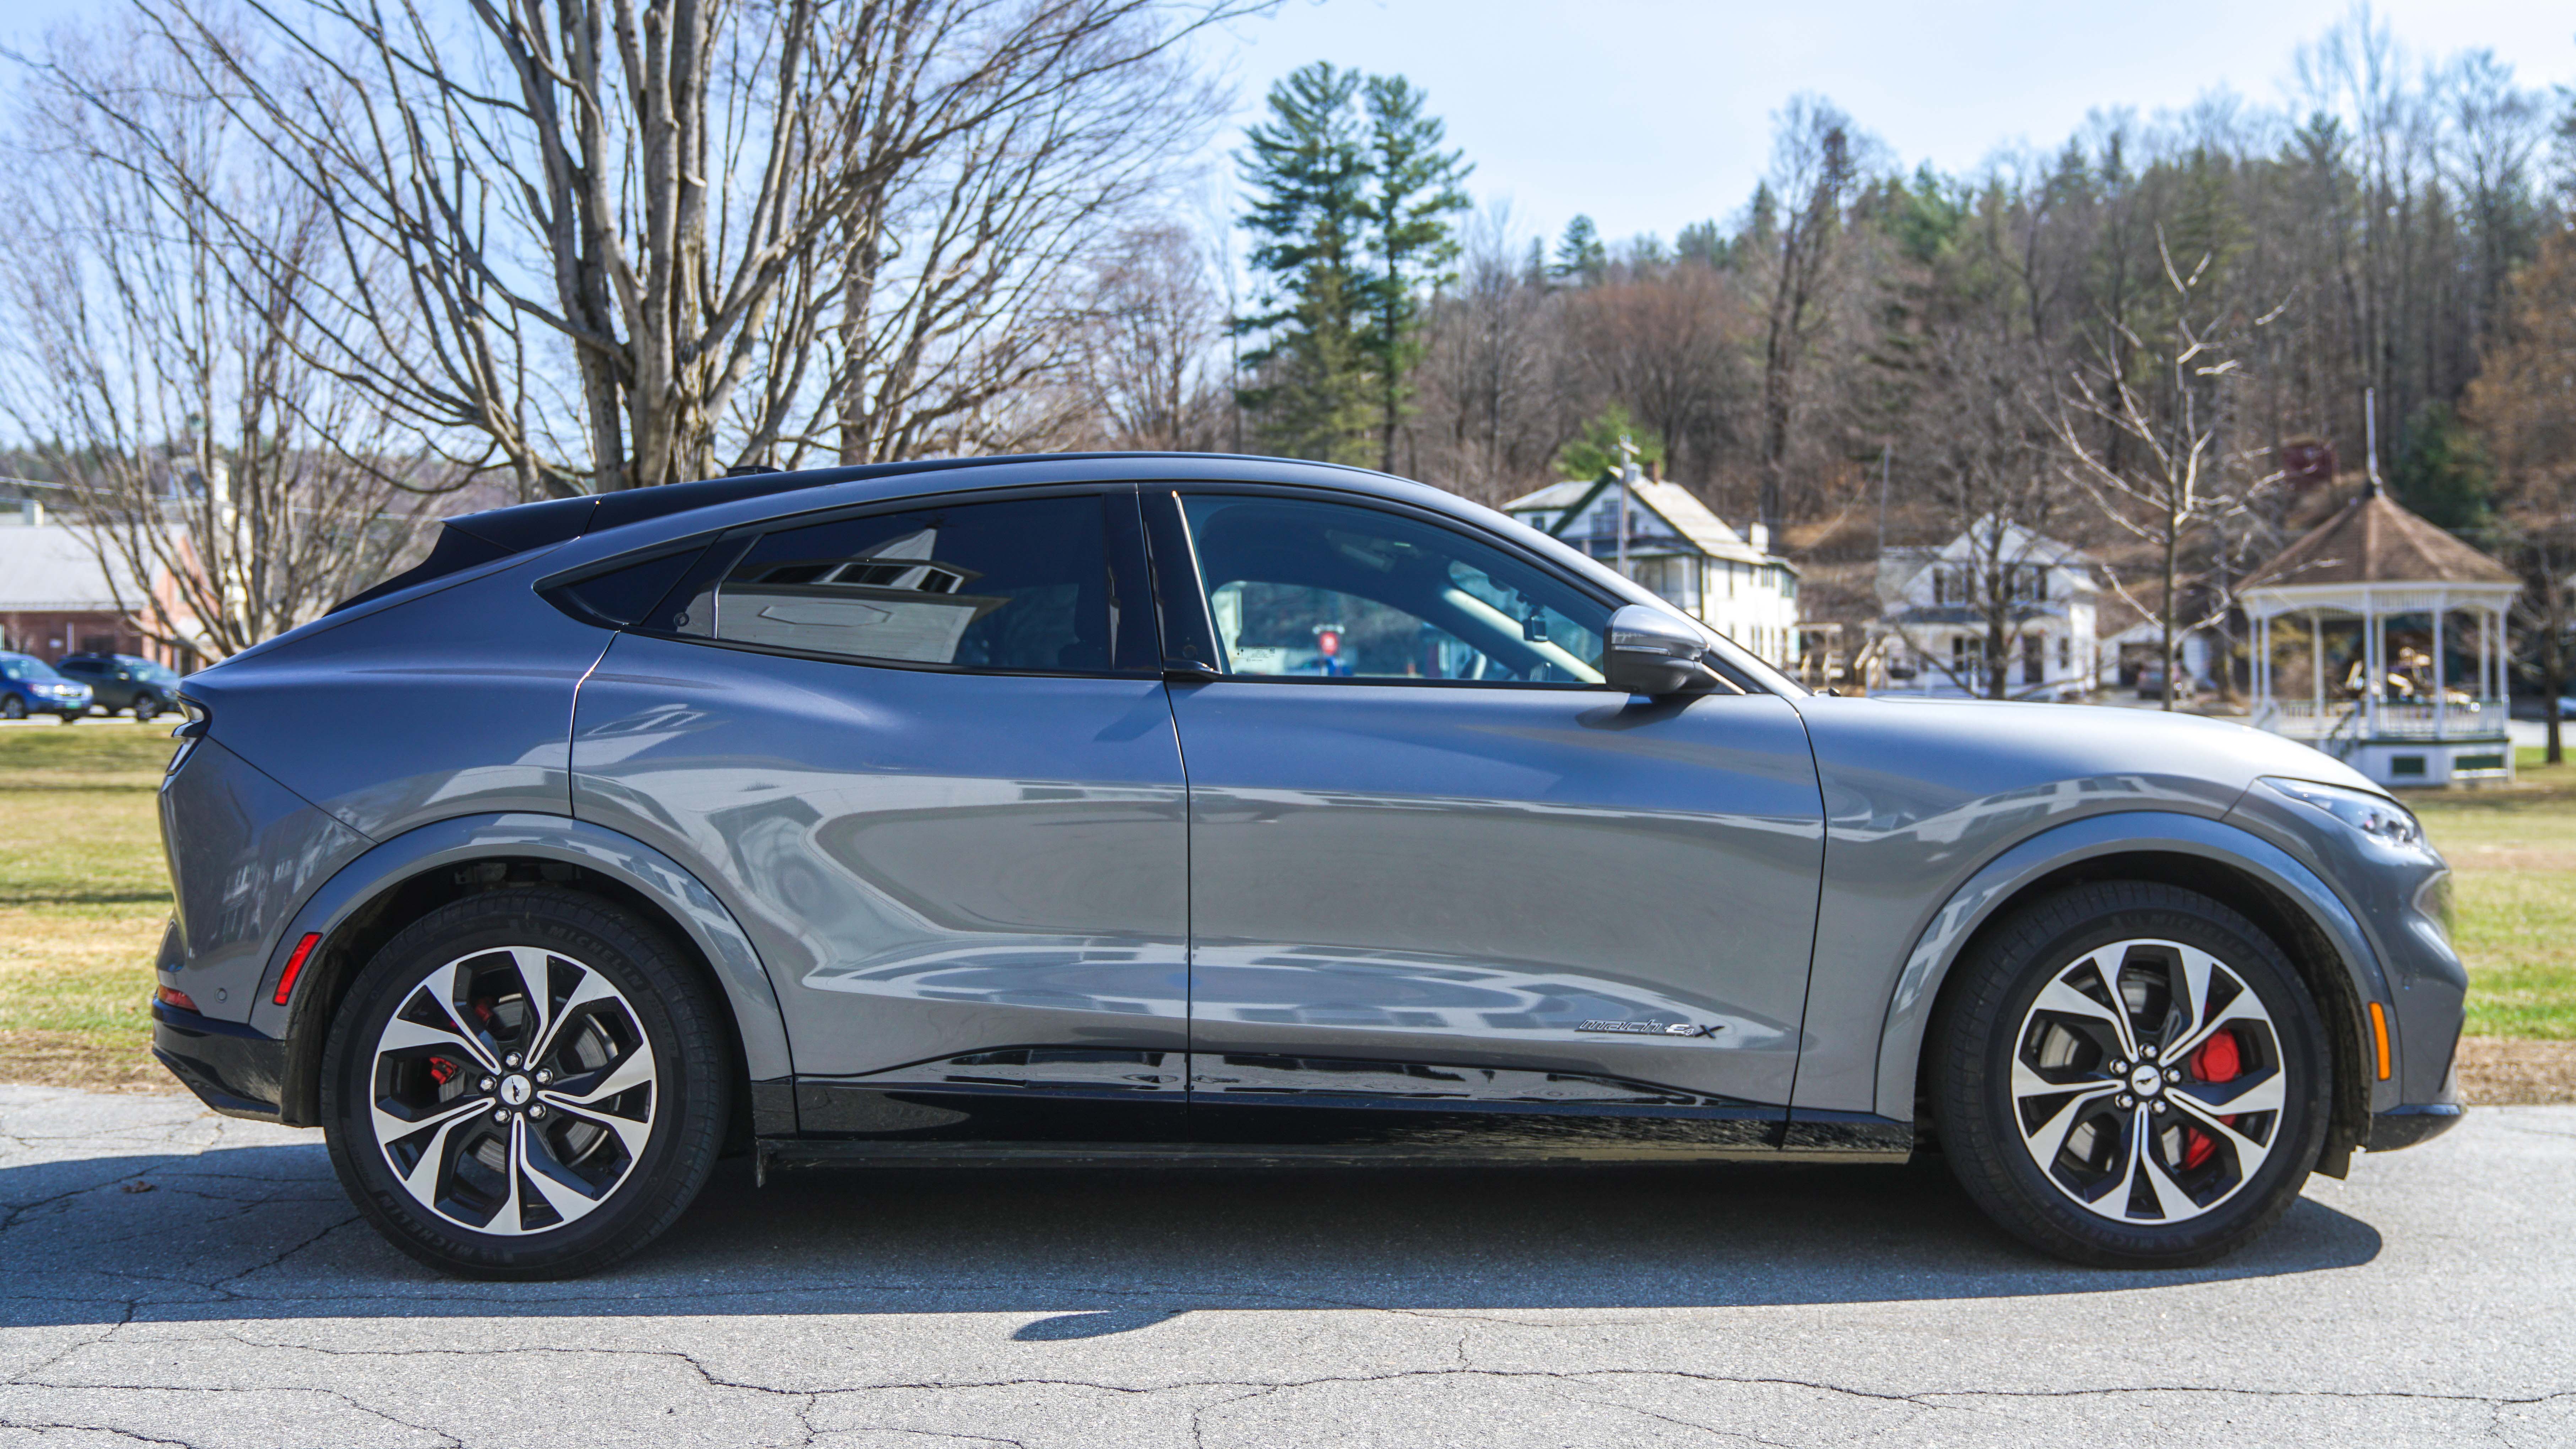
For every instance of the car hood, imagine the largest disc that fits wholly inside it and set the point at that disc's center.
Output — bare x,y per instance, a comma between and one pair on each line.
1917,766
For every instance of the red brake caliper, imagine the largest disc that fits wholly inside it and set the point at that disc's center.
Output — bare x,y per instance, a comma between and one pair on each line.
2218,1060
441,1070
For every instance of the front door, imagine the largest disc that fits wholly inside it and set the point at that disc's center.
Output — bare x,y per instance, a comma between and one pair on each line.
1433,860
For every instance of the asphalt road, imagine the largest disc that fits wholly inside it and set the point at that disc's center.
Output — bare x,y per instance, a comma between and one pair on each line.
2430,1300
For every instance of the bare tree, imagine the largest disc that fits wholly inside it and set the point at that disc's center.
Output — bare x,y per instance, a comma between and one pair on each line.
1668,342
1814,170
161,374
2524,404
700,228
1493,397
2169,411
1150,375
1979,430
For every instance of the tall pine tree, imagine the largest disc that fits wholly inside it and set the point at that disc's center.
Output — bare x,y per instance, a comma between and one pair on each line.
1352,196
1413,191
1307,167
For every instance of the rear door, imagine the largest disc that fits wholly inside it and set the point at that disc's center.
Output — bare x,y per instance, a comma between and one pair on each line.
1433,860
925,752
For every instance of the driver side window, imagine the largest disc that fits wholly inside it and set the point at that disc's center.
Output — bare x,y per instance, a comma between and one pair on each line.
1301,589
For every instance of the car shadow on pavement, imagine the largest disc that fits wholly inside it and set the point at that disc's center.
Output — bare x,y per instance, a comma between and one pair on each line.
264,1232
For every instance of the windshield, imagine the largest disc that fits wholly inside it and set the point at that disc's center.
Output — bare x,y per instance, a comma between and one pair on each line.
146,669
24,668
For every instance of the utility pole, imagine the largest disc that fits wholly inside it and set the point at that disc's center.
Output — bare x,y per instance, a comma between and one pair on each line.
2370,448
1882,500
1627,475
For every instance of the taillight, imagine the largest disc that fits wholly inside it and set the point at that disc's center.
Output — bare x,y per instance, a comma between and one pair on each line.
295,967
187,734
173,996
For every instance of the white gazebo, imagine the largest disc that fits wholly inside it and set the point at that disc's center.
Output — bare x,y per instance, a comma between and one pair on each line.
2371,572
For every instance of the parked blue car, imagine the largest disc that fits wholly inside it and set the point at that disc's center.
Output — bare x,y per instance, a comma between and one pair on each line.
29,685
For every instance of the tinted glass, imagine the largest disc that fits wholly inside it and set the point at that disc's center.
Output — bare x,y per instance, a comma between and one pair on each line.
1021,585
1327,590
24,667
622,596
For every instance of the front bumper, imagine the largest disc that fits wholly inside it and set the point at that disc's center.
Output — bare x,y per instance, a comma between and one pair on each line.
230,1067
2405,1126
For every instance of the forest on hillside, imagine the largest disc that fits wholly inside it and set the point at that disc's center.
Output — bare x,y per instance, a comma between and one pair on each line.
2164,338
280,292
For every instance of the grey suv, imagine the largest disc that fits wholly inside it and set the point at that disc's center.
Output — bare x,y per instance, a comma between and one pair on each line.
1146,808
124,681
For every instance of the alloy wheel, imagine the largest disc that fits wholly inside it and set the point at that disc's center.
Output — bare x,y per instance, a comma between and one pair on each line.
513,1090
2148,1082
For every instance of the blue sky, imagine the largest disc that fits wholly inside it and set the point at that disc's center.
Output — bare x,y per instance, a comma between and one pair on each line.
1650,114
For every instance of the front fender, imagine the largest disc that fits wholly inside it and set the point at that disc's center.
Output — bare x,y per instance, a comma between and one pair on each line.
1909,1008
710,927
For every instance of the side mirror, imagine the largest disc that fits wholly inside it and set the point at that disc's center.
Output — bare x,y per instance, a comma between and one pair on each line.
1652,653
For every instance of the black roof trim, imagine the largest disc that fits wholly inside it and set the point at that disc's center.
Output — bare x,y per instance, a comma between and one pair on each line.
531,525
477,538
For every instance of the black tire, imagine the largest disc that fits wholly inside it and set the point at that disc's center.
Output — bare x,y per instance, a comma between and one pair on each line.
2180,1203
687,1100
71,716
145,707
12,707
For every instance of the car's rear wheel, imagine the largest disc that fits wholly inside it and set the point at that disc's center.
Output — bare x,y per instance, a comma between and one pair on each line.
2130,1074
525,1084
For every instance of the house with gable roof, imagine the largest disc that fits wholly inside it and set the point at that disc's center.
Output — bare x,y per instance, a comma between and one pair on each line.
1669,541
1933,605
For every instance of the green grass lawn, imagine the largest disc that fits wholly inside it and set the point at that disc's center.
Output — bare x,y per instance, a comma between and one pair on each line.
83,896
2513,860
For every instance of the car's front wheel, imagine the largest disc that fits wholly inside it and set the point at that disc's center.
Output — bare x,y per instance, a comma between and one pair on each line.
526,1083
146,706
2130,1074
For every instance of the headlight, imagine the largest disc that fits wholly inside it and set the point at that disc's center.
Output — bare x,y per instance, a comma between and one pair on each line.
2376,816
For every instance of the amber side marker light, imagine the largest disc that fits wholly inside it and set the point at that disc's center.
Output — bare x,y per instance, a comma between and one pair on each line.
304,948
2378,1036
173,996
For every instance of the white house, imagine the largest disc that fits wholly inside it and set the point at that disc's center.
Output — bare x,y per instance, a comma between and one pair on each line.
1933,612
1669,541
2142,645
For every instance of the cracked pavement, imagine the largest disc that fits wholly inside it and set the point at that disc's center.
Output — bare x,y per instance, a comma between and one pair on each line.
171,1277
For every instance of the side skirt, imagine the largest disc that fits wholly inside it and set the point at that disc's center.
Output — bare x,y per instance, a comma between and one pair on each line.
1076,1107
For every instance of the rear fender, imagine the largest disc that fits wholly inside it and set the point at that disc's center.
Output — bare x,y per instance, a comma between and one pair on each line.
710,927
